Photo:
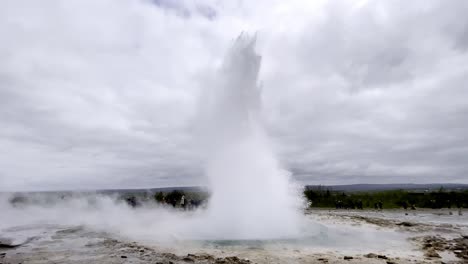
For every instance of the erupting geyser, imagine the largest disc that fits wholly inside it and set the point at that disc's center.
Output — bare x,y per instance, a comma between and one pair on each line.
252,197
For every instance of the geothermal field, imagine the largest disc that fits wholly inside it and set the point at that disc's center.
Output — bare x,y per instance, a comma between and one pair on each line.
207,131
255,213
86,228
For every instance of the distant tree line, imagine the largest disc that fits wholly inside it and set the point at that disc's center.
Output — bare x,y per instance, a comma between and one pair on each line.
325,198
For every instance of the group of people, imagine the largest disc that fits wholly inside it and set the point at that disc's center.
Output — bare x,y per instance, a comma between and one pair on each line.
339,204
407,205
349,204
177,200
378,205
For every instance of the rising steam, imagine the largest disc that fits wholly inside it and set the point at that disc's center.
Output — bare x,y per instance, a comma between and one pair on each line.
251,196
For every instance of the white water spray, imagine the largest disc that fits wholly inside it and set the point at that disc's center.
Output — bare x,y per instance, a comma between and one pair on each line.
252,197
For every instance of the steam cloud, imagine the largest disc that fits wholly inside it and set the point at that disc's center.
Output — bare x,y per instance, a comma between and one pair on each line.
252,197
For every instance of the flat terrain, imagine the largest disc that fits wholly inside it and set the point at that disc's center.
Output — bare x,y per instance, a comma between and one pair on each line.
342,236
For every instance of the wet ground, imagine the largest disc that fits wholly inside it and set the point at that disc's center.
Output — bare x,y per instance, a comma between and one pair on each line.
338,236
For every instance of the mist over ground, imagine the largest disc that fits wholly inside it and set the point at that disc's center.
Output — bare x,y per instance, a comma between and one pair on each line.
165,226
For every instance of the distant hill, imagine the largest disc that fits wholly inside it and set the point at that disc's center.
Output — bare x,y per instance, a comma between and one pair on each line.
336,188
154,190
384,187
344,188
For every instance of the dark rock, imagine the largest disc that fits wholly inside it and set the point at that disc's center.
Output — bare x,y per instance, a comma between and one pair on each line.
123,256
205,257
169,256
188,259
7,245
427,245
382,257
347,257
408,224
371,255
432,254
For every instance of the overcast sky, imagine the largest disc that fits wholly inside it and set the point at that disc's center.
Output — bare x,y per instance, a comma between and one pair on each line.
103,93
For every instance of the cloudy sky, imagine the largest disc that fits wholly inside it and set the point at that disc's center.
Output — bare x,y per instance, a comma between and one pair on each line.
103,93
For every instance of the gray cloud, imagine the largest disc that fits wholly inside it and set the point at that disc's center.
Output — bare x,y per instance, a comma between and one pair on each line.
378,96
104,94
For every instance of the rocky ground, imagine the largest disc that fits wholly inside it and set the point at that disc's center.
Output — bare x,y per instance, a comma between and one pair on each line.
441,235
439,241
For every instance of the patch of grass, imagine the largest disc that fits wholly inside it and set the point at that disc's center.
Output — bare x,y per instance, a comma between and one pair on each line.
321,198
